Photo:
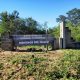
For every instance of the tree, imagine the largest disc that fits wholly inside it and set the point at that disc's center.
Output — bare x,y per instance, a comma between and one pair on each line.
3,22
22,26
61,18
32,25
11,23
55,31
8,22
74,16
29,26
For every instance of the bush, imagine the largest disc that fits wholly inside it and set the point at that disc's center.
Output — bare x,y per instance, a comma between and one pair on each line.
1,66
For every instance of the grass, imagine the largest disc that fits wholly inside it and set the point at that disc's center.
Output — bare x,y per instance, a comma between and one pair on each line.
37,47
55,65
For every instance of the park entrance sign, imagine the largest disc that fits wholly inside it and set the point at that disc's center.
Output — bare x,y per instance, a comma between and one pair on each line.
24,40
13,41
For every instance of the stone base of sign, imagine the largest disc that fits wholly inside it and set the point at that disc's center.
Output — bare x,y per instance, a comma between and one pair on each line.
62,43
7,44
56,44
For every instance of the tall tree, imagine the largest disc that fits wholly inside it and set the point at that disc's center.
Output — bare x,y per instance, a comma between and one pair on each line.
61,18
8,22
32,25
74,16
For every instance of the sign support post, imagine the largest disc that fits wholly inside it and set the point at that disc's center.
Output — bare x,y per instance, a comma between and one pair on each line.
46,40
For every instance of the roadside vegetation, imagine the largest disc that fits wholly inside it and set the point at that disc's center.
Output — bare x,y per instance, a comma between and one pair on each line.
56,65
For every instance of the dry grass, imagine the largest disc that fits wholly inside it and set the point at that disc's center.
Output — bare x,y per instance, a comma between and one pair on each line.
53,65
12,71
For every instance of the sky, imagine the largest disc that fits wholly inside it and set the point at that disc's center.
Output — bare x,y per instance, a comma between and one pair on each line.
40,10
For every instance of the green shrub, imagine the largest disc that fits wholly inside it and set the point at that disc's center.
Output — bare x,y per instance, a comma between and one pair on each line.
1,66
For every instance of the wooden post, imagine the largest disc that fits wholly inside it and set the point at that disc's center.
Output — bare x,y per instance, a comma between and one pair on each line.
47,39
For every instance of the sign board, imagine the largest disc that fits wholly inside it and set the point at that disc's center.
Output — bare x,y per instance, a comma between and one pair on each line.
23,40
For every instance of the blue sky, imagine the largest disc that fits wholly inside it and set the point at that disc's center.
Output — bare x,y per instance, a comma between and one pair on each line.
40,10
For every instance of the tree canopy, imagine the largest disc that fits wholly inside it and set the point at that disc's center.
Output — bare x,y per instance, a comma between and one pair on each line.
73,16
13,24
8,22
